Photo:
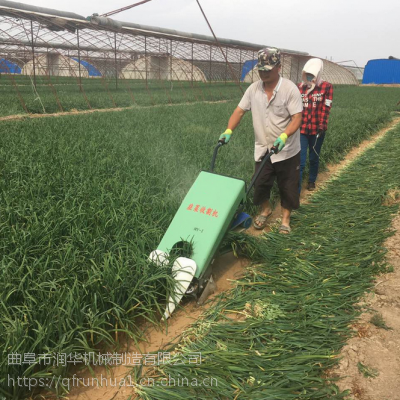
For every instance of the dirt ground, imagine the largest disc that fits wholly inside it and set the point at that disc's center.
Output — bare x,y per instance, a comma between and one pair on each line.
97,110
382,84
226,270
372,346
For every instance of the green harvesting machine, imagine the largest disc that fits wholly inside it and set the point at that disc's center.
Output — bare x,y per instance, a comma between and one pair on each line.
211,208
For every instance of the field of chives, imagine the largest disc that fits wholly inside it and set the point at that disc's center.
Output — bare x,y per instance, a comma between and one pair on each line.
64,93
85,198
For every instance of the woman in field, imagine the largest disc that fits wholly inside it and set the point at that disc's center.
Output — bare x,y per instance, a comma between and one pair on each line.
317,102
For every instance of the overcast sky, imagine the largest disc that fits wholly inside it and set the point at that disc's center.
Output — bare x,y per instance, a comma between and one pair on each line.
339,30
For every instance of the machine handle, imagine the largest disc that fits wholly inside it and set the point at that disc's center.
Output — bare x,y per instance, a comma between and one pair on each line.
221,142
274,150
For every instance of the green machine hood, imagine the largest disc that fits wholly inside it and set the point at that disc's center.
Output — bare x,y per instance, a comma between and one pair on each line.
205,216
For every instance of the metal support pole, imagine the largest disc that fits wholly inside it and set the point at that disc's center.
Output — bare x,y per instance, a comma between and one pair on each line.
79,61
298,71
33,57
226,66
240,64
115,57
192,64
252,70
48,62
210,63
204,15
170,64
145,57
159,59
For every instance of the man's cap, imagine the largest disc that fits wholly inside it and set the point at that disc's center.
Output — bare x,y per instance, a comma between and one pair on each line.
268,58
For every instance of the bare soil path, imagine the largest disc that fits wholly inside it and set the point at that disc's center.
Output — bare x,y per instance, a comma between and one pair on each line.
370,364
98,110
227,268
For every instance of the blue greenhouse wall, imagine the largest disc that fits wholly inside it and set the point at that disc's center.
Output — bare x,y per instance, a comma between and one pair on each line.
382,71
247,67
8,67
93,71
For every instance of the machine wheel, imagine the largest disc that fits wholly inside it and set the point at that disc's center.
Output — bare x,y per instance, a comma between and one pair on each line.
242,220
246,224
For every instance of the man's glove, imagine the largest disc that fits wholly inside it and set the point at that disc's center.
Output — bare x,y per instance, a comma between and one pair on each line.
226,135
320,132
280,142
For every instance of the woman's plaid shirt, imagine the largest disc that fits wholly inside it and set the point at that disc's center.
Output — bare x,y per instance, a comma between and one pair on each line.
316,107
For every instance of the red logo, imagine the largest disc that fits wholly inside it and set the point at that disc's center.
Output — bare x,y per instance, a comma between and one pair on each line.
203,210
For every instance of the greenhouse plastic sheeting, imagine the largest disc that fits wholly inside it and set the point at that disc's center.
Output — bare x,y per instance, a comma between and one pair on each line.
8,67
93,71
247,67
382,71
